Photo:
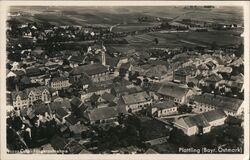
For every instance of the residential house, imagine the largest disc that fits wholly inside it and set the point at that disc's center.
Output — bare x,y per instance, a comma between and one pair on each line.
28,96
19,99
212,81
98,90
174,92
137,101
60,115
59,83
164,108
208,102
38,93
201,123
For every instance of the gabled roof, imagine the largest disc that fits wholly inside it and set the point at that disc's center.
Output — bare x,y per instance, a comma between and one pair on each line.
34,72
136,98
213,78
75,101
172,90
22,94
220,102
62,104
61,112
197,120
91,69
203,67
77,58
214,115
108,97
59,79
19,72
41,109
165,104
72,119
37,90
102,113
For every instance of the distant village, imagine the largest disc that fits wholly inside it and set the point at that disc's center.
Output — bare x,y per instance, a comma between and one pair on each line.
95,97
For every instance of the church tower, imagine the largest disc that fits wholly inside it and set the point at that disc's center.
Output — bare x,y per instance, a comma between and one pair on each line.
103,55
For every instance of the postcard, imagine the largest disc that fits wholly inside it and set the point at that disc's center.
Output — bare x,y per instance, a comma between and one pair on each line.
124,80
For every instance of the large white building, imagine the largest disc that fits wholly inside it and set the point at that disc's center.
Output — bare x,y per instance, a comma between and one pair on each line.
137,101
59,82
175,93
201,123
208,102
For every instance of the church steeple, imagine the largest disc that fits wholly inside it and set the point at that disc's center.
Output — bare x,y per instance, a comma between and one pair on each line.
103,55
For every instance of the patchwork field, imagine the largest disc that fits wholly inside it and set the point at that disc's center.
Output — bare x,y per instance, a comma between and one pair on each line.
107,16
222,38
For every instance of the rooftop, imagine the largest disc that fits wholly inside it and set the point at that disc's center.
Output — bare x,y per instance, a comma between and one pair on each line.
91,69
165,104
220,102
172,90
136,98
102,113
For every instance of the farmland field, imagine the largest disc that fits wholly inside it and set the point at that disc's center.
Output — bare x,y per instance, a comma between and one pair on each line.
108,16
222,38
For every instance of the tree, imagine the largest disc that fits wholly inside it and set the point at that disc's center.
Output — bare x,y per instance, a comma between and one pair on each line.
122,72
190,84
65,62
138,82
240,50
184,109
214,45
156,40
178,137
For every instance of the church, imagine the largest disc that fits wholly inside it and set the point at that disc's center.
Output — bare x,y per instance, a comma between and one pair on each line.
96,72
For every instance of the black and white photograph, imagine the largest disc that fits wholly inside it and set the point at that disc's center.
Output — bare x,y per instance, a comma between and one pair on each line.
128,80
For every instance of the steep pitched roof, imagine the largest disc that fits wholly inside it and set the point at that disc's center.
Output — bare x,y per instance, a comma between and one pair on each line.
22,94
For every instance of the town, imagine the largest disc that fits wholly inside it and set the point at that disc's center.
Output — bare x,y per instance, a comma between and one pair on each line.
91,89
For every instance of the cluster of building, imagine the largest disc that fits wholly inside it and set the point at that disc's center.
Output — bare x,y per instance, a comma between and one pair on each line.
80,89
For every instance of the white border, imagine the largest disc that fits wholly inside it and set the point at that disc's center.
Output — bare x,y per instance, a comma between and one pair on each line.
3,12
